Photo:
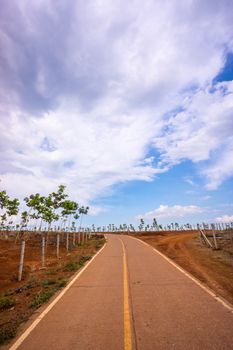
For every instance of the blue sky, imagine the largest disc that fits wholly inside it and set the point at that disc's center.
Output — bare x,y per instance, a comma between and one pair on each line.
129,105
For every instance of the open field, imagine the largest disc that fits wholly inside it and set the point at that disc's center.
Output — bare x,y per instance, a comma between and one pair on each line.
212,267
19,299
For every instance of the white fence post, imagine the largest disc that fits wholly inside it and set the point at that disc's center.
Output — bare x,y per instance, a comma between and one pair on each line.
58,244
21,260
43,251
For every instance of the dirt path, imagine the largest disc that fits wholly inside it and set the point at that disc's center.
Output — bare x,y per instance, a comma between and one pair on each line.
213,268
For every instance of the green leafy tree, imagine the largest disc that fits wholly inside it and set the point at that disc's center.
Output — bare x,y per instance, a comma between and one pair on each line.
9,208
68,208
36,203
83,211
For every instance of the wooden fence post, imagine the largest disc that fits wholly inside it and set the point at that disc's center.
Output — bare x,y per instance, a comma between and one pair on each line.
206,239
215,240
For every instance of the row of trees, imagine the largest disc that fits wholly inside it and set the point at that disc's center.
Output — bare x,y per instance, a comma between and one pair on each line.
159,227
42,211
46,211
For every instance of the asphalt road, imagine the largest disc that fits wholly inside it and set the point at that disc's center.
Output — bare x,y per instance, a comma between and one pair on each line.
130,297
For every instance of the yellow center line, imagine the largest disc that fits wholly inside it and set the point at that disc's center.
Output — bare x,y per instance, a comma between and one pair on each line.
127,325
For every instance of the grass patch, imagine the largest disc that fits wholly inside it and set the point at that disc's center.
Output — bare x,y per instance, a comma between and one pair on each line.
72,266
48,283
6,302
9,293
61,283
8,331
41,298
31,283
83,259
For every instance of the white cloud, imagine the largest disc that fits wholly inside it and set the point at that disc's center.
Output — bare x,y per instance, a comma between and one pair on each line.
225,218
83,105
176,211
202,132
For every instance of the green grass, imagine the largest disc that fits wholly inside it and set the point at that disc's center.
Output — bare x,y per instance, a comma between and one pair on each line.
6,302
83,259
48,283
72,266
61,283
41,298
8,331
31,283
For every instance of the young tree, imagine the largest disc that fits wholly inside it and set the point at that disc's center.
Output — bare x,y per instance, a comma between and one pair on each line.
9,207
69,208
83,211
155,224
36,203
141,226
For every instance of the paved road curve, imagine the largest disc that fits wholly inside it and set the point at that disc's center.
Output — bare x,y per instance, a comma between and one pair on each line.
130,298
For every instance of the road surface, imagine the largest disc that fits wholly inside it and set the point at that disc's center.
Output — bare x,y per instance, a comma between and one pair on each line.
130,297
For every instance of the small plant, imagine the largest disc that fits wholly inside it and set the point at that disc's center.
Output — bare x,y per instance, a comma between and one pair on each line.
48,283
8,331
31,283
61,283
41,298
83,259
6,302
72,266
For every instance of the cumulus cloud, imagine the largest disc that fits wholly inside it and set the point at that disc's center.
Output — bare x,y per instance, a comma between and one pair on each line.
88,88
225,218
174,212
202,132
